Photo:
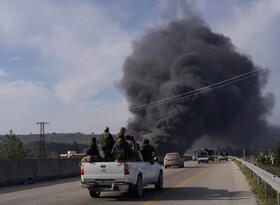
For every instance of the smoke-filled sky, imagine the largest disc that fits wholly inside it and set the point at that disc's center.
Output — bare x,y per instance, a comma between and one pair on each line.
184,55
60,61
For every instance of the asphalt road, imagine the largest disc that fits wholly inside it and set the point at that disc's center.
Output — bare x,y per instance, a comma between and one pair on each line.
213,183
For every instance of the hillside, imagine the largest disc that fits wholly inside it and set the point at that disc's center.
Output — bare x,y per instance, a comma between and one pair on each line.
53,149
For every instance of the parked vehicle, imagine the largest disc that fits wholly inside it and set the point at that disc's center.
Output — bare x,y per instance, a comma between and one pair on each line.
202,157
100,177
173,159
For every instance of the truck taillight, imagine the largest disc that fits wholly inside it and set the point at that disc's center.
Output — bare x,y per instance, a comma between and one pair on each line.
126,171
165,159
82,169
177,158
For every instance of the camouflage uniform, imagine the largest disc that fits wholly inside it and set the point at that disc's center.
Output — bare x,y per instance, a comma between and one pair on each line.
134,148
121,133
137,145
107,143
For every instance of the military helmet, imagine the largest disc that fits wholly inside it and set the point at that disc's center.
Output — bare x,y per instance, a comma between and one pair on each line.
93,139
123,129
106,129
146,141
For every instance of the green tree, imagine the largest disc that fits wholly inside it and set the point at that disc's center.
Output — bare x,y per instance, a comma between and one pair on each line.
11,147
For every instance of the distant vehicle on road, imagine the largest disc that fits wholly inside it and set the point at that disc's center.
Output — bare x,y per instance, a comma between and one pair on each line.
223,156
194,157
195,152
72,154
202,157
100,177
173,159
211,154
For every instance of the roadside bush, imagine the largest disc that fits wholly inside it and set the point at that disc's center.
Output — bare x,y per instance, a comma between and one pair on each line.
266,158
277,153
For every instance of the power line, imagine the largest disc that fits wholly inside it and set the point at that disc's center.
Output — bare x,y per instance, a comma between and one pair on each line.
202,90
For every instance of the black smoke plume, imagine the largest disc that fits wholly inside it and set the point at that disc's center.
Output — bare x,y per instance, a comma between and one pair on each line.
182,56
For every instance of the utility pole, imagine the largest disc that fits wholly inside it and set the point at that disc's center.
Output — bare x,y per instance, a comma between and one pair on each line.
42,145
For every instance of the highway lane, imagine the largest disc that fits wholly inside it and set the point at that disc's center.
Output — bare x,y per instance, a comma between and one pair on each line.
213,183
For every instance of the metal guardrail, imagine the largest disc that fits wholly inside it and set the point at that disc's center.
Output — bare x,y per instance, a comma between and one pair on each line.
259,175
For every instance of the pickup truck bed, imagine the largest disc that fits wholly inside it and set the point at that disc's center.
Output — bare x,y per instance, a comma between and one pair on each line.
100,177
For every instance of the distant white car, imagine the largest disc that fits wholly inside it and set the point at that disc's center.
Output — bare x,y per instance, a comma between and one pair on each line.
202,157
173,159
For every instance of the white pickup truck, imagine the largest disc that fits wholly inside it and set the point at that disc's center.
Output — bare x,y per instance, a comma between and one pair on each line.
100,177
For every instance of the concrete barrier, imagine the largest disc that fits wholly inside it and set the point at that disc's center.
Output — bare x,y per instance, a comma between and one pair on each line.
31,170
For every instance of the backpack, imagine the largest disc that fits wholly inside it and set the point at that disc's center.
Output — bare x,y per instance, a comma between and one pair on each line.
120,154
121,150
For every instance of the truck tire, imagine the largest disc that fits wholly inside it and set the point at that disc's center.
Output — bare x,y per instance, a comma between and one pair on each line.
94,194
159,184
139,187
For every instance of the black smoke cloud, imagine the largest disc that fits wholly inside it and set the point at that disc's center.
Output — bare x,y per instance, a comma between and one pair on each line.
182,56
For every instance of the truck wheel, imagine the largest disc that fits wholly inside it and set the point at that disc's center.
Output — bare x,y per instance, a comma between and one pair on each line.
139,187
94,194
165,167
159,183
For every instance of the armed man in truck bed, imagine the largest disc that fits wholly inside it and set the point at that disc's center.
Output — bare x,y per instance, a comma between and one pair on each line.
107,143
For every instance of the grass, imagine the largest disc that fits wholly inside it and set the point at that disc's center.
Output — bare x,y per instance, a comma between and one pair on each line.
259,190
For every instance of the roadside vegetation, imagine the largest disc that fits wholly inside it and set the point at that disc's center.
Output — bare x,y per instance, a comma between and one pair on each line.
11,147
259,189
269,161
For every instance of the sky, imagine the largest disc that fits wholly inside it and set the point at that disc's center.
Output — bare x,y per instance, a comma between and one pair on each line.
61,61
